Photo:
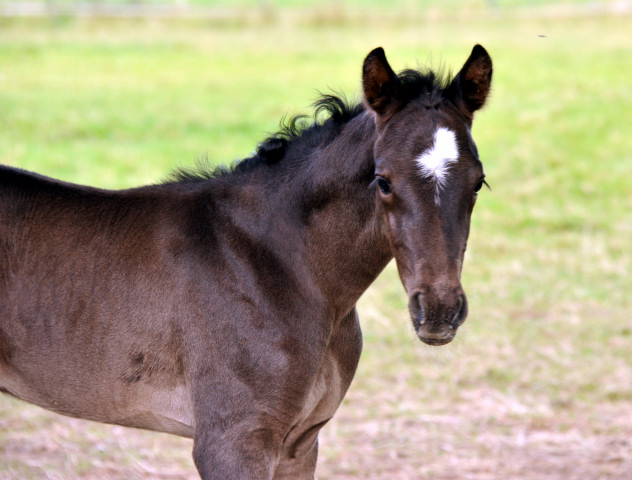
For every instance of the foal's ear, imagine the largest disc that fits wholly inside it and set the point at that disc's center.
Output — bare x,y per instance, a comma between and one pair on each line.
470,87
379,83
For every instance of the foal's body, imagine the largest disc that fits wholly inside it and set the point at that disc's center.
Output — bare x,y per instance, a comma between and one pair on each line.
222,309
145,329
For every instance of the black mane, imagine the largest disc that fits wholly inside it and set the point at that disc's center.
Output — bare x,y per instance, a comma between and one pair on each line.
331,112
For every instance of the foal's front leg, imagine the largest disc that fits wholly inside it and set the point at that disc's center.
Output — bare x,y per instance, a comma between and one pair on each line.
234,436
237,455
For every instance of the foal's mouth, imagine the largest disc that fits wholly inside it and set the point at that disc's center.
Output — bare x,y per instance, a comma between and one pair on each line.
436,339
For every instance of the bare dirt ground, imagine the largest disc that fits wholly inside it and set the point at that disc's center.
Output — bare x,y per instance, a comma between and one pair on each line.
490,439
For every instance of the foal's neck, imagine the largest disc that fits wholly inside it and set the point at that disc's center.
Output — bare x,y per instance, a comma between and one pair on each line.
347,245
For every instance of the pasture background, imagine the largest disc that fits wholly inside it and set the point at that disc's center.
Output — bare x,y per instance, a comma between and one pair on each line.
538,383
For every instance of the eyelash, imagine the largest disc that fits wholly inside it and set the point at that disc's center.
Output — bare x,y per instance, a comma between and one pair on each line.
480,184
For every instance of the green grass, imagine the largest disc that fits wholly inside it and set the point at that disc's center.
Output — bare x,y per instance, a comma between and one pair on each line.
547,344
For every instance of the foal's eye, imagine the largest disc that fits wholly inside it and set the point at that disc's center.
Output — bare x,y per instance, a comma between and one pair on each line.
479,185
383,185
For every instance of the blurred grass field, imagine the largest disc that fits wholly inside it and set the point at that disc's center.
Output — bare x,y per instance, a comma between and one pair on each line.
538,383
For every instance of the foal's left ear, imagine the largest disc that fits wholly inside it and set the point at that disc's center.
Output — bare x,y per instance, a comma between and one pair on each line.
470,87
379,82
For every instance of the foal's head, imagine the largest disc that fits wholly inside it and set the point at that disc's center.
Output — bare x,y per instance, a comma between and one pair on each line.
427,177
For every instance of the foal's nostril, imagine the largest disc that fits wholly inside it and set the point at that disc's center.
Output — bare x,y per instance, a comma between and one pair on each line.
416,307
460,312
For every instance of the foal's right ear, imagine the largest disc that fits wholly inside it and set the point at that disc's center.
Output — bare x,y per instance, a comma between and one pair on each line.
379,83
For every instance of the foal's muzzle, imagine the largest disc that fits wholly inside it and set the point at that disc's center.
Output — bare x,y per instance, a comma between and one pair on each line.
436,320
